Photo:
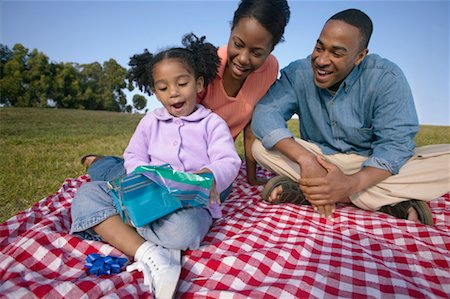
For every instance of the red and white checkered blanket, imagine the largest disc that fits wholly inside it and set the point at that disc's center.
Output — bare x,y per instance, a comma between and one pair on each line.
255,251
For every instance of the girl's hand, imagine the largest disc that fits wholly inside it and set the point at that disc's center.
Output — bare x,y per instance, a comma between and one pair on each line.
203,170
213,196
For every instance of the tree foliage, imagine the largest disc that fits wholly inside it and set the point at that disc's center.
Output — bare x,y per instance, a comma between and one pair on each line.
139,101
30,79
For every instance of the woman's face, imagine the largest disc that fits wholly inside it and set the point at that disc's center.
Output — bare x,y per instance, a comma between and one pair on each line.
248,47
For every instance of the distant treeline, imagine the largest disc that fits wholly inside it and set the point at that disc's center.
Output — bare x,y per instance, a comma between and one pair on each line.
30,79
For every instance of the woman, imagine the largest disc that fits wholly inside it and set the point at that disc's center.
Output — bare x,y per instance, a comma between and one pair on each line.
246,72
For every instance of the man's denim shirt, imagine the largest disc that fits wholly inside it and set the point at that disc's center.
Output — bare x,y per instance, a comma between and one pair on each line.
371,114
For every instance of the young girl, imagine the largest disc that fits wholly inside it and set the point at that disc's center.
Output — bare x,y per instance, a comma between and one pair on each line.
246,72
183,134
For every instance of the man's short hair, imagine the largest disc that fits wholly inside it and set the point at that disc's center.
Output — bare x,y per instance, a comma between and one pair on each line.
358,19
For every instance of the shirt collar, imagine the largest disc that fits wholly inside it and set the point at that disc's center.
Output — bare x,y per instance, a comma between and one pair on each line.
346,84
352,77
199,114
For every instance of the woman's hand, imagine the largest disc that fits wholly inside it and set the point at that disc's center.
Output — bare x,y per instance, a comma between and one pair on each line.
250,162
256,181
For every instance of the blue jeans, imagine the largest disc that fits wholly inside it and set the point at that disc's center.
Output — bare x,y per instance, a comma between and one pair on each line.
109,168
183,229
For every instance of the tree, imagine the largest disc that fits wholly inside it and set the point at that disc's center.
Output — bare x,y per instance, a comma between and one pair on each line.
5,55
13,83
31,80
91,94
66,91
139,102
112,85
39,77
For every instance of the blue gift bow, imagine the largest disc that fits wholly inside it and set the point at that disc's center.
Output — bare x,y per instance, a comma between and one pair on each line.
104,265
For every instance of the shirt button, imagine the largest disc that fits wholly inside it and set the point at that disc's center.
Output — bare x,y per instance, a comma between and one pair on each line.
175,143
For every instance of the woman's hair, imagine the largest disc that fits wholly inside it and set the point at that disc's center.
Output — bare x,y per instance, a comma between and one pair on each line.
273,15
198,56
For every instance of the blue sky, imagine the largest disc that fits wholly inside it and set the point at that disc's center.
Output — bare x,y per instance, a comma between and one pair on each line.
413,34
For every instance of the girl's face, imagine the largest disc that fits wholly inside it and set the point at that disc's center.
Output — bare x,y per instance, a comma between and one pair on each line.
248,47
176,87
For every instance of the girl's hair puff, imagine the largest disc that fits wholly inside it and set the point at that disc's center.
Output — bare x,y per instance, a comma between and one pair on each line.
198,56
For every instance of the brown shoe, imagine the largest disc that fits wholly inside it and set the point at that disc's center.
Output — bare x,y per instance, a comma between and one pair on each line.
291,191
400,210
87,160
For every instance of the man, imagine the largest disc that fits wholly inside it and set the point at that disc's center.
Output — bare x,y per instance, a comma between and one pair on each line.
357,129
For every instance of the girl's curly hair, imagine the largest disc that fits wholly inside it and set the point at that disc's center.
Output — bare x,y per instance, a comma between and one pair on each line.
199,56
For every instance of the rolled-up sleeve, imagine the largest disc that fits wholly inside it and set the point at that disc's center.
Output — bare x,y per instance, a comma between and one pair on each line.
395,124
269,121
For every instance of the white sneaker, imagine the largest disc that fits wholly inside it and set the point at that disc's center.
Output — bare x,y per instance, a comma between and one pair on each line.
165,269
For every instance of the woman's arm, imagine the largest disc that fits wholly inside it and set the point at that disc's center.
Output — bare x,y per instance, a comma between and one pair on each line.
249,138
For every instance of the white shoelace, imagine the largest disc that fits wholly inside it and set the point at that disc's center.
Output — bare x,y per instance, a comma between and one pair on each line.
145,269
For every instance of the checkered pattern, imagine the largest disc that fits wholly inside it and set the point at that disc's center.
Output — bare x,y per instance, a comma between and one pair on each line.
256,250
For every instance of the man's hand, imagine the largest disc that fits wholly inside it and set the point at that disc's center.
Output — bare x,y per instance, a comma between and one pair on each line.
309,166
322,182
328,190
325,210
324,192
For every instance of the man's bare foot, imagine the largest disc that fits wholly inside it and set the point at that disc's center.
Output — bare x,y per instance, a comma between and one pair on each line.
276,193
413,216
414,210
281,189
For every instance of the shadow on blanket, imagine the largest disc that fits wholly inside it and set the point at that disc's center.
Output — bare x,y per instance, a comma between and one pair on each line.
255,251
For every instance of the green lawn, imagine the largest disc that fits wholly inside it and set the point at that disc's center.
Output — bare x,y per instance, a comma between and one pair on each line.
39,148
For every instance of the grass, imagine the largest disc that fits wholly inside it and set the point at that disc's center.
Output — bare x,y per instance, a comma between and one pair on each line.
40,148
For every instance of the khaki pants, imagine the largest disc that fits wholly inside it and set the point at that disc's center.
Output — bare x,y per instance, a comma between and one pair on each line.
425,176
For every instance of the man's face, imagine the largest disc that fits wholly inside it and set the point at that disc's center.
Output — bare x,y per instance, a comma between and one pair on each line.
336,52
